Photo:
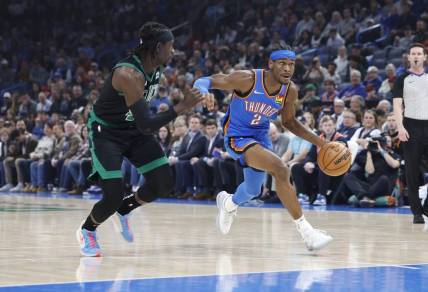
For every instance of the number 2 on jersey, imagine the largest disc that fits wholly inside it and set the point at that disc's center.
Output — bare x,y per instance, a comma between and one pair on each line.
256,119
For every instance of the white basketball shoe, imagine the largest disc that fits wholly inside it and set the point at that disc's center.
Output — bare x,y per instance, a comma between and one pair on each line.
224,217
314,239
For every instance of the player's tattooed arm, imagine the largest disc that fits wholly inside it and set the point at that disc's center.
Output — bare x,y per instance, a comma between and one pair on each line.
240,81
131,83
288,117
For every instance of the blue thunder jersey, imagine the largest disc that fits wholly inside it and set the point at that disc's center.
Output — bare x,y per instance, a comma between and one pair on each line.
250,116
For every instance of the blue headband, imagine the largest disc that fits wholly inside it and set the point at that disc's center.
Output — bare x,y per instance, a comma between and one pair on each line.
282,54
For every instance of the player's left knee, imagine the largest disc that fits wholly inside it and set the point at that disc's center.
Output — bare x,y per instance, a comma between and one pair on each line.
281,171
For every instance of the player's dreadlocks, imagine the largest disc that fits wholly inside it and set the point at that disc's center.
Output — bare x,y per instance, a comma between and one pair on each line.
152,33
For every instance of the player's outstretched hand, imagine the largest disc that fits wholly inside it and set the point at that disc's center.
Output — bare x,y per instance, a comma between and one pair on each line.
192,97
208,101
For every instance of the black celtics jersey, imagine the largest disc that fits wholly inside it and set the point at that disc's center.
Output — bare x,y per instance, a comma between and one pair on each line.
111,106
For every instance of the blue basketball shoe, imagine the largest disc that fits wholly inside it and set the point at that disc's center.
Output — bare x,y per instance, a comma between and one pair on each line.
125,228
89,246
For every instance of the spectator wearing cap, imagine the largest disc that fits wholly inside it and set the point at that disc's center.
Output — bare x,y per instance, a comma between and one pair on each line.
372,78
161,98
355,88
387,85
332,73
5,101
310,96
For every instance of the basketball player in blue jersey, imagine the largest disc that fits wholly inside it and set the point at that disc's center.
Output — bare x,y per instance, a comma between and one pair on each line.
258,97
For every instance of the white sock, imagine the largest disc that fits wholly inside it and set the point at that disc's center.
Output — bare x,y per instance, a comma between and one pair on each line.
302,223
229,205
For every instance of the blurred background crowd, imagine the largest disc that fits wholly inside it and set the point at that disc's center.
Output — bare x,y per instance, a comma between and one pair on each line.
55,57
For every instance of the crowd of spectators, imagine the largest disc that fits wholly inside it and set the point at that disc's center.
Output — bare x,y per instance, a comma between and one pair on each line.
52,71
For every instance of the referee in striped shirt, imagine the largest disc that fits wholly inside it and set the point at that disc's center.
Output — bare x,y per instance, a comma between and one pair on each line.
410,94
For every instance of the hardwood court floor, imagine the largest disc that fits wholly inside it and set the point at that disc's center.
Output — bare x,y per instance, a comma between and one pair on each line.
38,245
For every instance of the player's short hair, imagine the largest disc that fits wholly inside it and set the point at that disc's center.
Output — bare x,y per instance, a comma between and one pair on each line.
281,46
418,45
151,34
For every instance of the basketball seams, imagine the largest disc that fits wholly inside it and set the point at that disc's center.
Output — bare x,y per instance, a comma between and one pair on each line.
340,153
323,157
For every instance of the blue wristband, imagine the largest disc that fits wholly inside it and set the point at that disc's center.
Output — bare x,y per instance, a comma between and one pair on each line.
203,84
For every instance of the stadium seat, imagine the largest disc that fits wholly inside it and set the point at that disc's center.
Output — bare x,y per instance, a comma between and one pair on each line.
380,63
395,53
396,61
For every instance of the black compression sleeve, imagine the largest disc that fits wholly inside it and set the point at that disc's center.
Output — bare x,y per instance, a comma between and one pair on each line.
147,123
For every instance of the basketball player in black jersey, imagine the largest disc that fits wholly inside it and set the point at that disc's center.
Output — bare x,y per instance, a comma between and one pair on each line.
120,125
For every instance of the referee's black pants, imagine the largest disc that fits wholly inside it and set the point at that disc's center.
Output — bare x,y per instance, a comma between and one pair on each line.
414,149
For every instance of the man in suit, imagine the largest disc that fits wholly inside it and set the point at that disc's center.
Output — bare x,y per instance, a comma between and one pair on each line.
192,146
206,179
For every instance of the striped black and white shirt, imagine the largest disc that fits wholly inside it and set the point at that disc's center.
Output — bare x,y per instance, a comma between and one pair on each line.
413,89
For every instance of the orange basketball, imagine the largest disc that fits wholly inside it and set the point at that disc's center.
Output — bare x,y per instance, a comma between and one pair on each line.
334,158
